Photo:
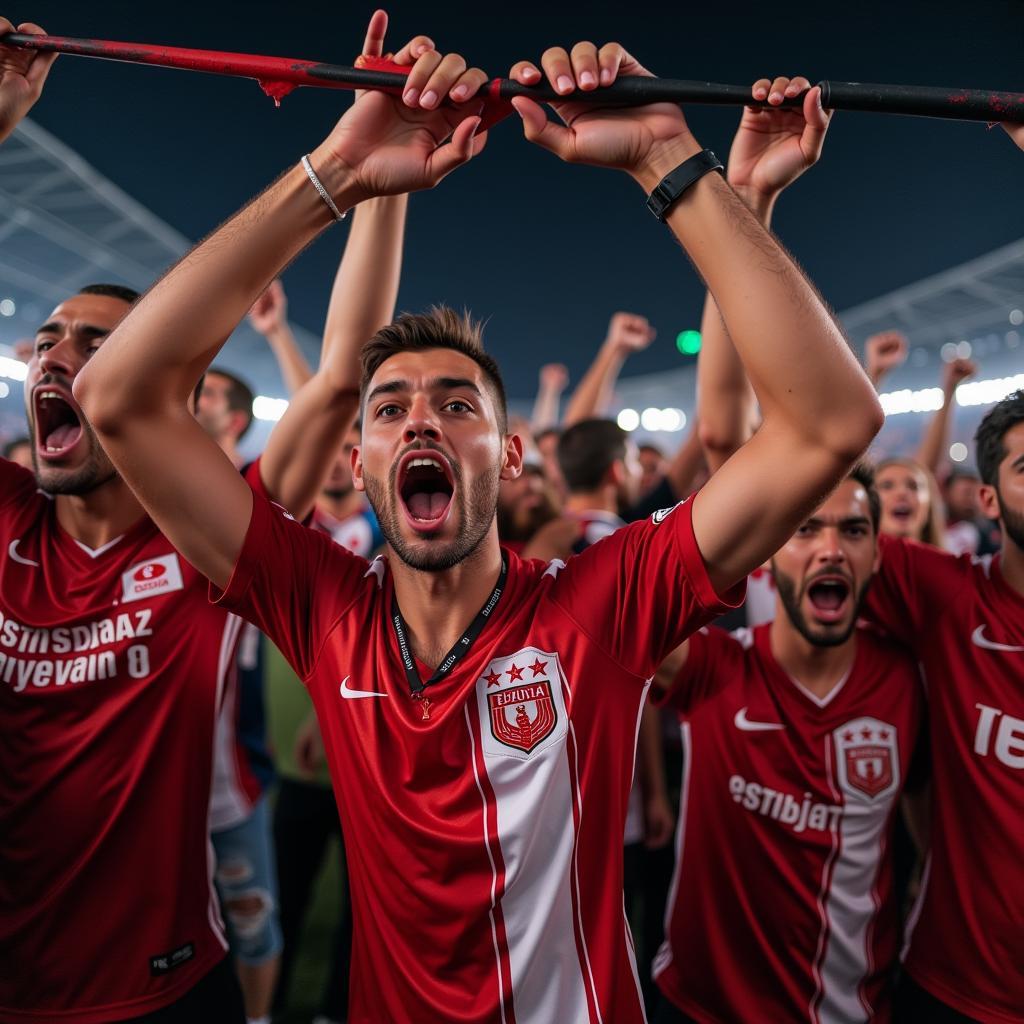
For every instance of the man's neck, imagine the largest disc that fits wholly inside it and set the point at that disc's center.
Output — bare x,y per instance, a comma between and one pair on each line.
601,500
343,507
438,606
817,668
1011,563
100,516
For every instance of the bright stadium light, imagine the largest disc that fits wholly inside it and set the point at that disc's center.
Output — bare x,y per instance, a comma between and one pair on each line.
650,419
628,419
7,307
12,369
1016,317
958,451
266,408
975,392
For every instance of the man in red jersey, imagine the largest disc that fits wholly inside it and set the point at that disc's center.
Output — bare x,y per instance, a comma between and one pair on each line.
112,665
964,619
479,712
797,740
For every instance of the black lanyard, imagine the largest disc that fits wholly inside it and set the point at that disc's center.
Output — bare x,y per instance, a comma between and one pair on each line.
462,645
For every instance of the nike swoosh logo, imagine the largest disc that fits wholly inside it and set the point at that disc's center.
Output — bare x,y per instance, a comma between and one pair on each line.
744,723
12,550
978,639
353,694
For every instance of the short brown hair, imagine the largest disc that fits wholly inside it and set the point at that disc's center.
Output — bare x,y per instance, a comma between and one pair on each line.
240,396
438,327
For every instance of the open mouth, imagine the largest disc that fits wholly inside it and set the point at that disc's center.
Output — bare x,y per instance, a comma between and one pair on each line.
901,513
425,488
58,425
829,596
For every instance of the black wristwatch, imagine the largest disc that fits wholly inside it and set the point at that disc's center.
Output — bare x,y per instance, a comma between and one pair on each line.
675,183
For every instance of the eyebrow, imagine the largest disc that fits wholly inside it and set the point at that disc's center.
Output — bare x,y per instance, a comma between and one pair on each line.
88,330
392,387
845,521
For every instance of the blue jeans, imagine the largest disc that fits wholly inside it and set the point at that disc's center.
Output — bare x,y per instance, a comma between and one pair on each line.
247,885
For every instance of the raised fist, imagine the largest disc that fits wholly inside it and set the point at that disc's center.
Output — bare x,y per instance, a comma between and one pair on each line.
554,377
270,311
629,332
884,353
955,372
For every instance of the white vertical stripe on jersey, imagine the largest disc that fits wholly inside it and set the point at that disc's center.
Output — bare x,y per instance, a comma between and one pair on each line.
225,659
629,935
574,769
547,982
664,955
852,908
826,881
494,867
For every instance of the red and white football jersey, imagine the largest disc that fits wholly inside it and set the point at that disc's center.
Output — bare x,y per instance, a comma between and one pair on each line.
484,842
781,907
110,664
966,625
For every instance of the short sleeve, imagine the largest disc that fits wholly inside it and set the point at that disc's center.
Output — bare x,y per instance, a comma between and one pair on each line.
291,582
912,587
713,659
15,483
641,592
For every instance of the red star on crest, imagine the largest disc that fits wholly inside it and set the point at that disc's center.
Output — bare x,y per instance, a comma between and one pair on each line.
492,679
848,736
884,734
538,667
515,673
866,733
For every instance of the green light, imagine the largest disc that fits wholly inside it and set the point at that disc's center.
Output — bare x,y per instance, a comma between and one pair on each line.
688,342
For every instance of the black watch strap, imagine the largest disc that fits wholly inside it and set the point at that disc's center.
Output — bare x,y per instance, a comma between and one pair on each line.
676,182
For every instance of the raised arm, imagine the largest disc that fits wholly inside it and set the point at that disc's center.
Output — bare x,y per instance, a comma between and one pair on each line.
135,389
884,353
819,409
22,76
269,317
935,442
627,332
550,385
304,442
770,150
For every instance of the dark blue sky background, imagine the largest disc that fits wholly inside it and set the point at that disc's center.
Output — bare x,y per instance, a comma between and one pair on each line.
544,250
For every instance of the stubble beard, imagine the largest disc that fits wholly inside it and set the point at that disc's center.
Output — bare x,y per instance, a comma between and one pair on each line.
474,517
791,602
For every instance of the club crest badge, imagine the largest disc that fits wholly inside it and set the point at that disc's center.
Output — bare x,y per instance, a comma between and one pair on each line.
522,710
867,758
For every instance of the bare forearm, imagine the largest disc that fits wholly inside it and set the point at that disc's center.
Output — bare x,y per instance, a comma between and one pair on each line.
168,339
365,288
726,400
936,436
594,391
796,358
295,371
545,408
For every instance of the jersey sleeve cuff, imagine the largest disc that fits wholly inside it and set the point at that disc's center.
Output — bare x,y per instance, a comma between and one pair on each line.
697,572
257,539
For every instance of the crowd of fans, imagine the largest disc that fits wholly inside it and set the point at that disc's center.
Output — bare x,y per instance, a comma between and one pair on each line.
807,832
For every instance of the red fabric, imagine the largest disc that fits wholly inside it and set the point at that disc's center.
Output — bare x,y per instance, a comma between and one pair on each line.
782,899
484,842
966,625
109,667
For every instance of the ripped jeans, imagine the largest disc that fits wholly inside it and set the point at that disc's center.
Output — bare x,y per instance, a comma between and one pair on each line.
247,885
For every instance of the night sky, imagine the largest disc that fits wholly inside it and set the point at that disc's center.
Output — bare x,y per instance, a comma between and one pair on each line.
543,250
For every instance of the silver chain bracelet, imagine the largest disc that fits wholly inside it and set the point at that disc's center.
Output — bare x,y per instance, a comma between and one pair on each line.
318,185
